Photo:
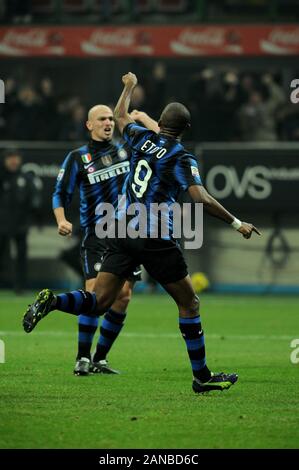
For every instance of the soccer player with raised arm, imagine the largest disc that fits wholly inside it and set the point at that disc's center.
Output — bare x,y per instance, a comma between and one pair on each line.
98,169
160,168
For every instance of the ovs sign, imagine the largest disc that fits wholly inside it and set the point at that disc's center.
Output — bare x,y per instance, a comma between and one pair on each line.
223,181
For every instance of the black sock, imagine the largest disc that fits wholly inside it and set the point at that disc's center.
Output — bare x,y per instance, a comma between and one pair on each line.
194,339
110,328
76,302
87,327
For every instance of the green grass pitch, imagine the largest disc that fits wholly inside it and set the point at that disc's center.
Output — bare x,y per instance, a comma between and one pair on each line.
151,404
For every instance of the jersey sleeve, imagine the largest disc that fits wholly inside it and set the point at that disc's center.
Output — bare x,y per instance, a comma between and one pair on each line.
136,135
66,182
186,172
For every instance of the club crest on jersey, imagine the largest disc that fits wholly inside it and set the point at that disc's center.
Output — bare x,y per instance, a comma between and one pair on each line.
106,160
97,267
122,154
86,158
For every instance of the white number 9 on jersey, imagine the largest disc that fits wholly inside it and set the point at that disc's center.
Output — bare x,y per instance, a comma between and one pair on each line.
139,186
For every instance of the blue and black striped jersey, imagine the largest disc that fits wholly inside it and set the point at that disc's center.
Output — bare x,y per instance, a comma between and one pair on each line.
98,169
160,168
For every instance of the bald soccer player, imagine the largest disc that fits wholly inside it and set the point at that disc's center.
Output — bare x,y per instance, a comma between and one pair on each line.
98,169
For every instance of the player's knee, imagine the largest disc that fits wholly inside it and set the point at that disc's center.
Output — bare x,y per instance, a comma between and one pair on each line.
190,308
104,302
90,285
123,303
124,298
194,304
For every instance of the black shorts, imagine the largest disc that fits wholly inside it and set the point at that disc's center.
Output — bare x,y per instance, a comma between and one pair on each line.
163,259
92,252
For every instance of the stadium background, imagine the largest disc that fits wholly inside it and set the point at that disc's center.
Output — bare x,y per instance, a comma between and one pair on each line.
232,62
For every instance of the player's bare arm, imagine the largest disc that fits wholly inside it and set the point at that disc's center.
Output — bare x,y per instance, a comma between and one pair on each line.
121,114
146,120
214,208
64,226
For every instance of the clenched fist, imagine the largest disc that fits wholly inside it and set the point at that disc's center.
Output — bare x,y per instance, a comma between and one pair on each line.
65,228
137,115
129,79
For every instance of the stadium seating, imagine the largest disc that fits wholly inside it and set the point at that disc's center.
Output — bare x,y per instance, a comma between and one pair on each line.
171,6
75,6
43,6
227,10
143,6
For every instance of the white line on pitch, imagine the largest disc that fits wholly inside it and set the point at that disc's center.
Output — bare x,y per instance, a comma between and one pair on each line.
156,335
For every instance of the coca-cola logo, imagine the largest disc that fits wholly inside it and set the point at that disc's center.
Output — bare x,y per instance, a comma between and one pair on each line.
207,41
283,37
206,37
31,38
103,42
119,38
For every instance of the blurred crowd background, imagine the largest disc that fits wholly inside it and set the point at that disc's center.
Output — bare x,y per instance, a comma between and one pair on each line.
233,100
72,11
227,105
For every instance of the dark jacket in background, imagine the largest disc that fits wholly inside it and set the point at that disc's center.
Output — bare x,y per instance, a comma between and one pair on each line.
20,201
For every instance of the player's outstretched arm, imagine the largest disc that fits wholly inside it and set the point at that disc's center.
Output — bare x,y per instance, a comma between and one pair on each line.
146,120
214,208
121,114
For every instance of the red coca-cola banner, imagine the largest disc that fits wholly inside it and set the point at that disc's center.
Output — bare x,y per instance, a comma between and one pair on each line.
157,41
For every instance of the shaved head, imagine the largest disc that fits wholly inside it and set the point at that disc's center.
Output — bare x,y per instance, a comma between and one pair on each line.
100,122
98,109
175,117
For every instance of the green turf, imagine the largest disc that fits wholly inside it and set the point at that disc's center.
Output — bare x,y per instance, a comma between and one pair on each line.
151,404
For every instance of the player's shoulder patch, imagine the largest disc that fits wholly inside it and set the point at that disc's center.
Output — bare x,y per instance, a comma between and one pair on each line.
60,174
194,171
